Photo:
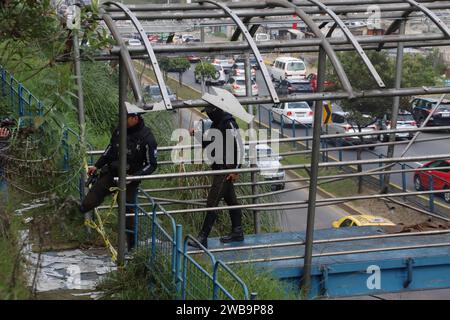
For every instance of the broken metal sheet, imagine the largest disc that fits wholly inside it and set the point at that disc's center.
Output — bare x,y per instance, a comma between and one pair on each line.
227,102
71,269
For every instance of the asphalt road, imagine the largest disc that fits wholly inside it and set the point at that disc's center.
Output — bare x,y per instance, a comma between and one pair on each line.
418,149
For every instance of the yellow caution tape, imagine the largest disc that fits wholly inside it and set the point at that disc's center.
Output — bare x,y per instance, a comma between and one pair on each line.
99,226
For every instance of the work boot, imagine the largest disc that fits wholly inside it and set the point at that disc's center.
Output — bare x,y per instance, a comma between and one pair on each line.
202,238
236,235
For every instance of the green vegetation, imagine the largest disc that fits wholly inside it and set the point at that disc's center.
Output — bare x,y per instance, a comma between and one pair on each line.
417,72
12,282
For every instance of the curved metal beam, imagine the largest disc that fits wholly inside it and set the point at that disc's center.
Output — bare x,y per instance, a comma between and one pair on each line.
252,30
396,24
135,84
252,45
439,23
353,41
324,43
150,52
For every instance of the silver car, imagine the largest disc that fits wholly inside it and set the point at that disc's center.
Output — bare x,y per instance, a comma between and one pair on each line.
269,165
405,120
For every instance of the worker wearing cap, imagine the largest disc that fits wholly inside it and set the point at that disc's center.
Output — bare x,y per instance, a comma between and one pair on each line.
223,185
141,160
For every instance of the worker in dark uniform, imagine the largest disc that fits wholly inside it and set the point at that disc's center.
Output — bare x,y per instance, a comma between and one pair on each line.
141,160
4,136
223,185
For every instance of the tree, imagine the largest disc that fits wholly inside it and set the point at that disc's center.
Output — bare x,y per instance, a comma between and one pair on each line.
417,71
205,71
179,65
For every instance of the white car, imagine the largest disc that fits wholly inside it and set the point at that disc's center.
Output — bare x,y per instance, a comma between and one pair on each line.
238,69
237,86
262,37
185,37
269,164
134,42
226,63
218,79
405,120
341,124
293,112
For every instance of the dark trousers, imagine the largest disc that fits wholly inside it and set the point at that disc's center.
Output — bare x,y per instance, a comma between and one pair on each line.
100,190
221,188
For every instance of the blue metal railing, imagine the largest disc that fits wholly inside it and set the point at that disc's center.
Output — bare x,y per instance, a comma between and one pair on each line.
178,273
26,106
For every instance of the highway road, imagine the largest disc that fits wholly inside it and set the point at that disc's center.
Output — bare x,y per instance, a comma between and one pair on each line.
418,149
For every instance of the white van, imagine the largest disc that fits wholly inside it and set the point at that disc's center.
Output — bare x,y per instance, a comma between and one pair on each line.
288,68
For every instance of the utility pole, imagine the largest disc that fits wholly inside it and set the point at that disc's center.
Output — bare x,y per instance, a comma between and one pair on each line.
314,173
395,105
252,147
123,83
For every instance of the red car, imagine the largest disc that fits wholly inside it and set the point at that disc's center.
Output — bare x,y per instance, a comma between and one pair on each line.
440,178
193,58
312,78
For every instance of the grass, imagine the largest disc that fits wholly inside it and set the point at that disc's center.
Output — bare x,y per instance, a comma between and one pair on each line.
13,283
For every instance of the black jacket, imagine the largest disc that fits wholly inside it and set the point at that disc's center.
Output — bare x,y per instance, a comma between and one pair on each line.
141,153
227,122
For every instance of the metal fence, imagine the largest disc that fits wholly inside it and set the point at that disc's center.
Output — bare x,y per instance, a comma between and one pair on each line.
179,273
25,106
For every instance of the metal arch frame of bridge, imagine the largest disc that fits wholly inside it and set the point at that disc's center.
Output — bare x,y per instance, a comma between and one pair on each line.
353,41
150,52
251,43
433,17
124,53
324,44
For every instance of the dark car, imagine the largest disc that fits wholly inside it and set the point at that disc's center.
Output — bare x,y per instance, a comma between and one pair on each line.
421,108
154,93
434,179
253,62
289,86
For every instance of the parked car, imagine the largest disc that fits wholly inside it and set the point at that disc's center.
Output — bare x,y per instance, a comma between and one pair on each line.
341,124
133,42
312,78
440,178
237,86
289,86
288,68
405,120
153,38
193,58
190,40
262,37
238,69
362,221
186,37
293,112
226,63
154,93
421,108
219,77
269,165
